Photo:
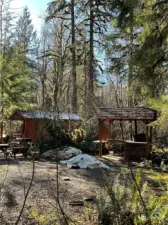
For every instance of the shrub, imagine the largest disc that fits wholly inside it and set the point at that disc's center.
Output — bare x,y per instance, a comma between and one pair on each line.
131,202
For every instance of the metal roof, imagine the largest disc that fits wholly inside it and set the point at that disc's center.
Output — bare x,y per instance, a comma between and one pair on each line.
134,113
19,115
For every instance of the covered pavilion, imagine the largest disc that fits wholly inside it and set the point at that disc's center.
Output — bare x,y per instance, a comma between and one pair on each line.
132,114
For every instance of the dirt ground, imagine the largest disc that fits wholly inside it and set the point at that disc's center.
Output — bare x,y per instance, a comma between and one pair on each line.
74,185
78,190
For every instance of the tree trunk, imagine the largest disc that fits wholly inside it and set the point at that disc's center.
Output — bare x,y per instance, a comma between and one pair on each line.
1,71
91,56
130,69
74,87
43,93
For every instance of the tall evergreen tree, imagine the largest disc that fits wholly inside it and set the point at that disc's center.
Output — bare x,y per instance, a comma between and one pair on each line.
95,18
142,37
15,82
25,34
5,42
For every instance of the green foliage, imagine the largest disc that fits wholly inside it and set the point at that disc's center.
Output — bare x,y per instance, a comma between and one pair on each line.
77,134
25,34
132,202
136,46
161,105
44,219
17,88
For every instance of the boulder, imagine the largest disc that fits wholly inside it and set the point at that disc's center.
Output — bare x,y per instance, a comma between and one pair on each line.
62,153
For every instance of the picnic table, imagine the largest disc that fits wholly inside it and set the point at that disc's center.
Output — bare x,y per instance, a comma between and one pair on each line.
26,140
102,143
4,149
99,141
4,146
21,146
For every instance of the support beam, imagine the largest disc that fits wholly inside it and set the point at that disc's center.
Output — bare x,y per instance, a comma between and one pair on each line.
131,135
100,138
136,129
109,130
10,128
151,136
147,142
101,149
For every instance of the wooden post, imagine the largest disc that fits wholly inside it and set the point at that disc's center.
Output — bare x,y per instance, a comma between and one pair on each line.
100,139
131,130
2,132
147,142
151,131
136,130
122,131
10,128
100,150
109,130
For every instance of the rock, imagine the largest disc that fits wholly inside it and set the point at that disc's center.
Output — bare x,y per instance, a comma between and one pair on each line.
69,152
61,154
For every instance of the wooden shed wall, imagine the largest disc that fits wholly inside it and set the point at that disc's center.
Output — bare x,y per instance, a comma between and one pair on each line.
36,130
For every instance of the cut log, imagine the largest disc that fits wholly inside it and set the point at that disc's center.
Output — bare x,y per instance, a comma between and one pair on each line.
76,203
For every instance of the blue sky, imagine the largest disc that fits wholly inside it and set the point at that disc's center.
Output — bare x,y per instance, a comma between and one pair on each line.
37,9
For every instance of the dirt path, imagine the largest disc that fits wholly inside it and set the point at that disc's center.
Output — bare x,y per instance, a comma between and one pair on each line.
74,184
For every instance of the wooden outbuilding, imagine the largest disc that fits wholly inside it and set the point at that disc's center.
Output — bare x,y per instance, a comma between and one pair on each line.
34,123
133,114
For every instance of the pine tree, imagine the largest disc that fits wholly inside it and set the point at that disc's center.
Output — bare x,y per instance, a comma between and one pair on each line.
25,35
95,18
17,89
146,65
5,42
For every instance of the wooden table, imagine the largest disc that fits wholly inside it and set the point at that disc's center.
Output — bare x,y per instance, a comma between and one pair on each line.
115,141
99,141
110,141
3,147
21,146
24,139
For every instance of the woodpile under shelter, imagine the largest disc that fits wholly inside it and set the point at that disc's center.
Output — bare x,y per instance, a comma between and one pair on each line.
137,149
34,123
